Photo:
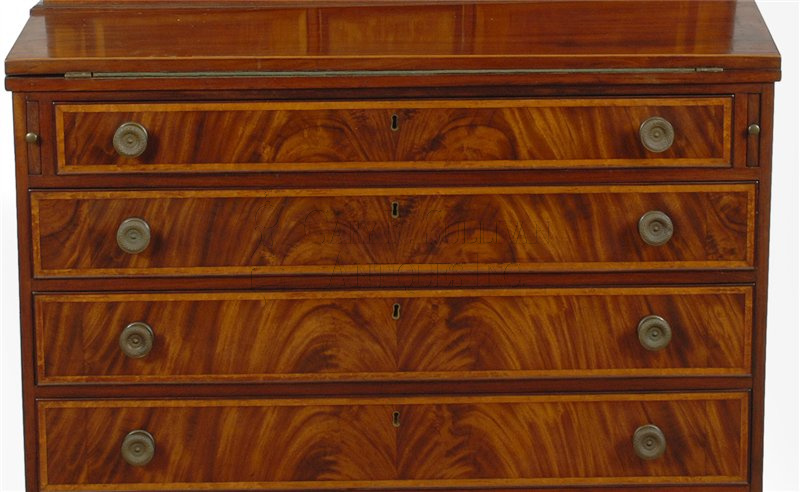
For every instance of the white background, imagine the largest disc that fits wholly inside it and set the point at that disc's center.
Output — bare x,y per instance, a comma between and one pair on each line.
782,459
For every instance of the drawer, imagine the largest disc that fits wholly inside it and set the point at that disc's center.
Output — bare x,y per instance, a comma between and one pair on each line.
393,335
382,135
458,442
405,231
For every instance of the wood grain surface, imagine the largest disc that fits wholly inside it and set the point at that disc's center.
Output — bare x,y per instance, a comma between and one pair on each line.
334,336
387,135
442,441
293,262
538,35
499,230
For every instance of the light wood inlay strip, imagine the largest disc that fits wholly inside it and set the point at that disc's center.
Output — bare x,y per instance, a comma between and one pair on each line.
401,455
399,400
371,294
406,484
432,134
354,336
393,166
434,103
396,269
531,232
334,192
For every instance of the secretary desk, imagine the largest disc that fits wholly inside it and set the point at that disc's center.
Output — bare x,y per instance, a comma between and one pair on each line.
481,245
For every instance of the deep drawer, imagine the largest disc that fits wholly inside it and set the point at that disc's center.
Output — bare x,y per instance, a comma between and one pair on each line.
328,232
415,441
393,335
382,135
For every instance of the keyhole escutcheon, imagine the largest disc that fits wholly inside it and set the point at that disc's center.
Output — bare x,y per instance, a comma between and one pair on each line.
395,123
396,418
395,210
396,311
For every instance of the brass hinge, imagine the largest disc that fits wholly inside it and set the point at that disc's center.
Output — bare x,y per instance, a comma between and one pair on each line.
78,75
373,73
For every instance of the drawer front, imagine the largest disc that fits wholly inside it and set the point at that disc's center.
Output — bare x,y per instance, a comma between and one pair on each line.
420,442
409,231
394,335
313,136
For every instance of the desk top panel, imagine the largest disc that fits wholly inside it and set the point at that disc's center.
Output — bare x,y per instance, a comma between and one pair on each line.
604,36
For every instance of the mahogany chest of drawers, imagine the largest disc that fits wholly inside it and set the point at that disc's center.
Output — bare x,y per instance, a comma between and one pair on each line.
271,245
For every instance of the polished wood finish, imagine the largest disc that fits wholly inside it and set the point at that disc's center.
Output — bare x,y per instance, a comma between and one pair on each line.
491,334
595,35
345,443
514,260
344,231
28,369
379,178
394,135
766,110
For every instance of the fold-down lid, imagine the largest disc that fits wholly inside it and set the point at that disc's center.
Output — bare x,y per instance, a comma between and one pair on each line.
258,38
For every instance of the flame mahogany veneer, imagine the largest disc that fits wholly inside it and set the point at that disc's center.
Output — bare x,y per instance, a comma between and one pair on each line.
281,245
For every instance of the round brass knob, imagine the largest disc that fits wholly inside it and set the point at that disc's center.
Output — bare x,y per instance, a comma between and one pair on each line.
32,138
649,442
130,140
133,235
138,448
654,333
657,134
754,129
655,228
136,340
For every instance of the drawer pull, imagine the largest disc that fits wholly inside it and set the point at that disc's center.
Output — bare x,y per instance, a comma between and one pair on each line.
655,227
133,235
654,333
136,340
657,134
649,442
130,140
138,448
754,129
32,138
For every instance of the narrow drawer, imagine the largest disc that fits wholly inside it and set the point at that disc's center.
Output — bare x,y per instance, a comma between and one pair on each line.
383,135
457,442
406,231
393,335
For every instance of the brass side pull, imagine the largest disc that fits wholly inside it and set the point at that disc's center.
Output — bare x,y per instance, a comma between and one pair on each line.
138,448
133,235
655,228
657,134
136,340
130,140
654,333
649,442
